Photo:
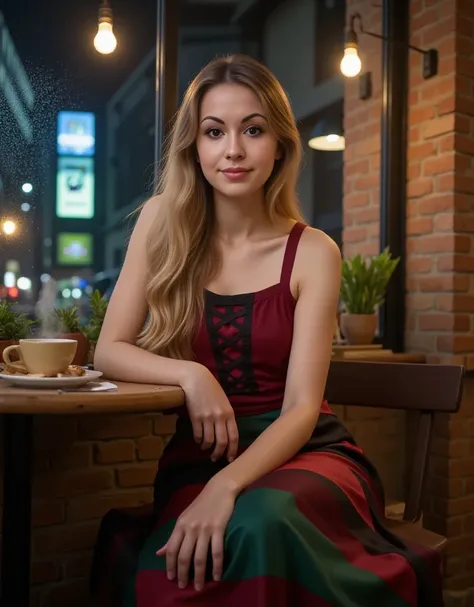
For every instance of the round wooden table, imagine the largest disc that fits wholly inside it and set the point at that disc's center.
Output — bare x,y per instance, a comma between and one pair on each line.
19,407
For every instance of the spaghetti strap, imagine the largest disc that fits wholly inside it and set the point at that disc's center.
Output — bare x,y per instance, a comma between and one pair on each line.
290,252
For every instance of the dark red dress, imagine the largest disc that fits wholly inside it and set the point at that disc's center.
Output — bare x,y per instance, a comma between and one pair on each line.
308,534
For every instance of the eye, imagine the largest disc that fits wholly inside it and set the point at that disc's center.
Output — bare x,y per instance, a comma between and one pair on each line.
214,132
253,131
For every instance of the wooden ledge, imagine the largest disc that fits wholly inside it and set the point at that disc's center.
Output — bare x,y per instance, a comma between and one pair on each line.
375,353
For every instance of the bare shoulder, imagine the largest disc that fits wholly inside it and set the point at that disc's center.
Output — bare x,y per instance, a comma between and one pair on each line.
316,247
316,242
146,215
151,207
318,259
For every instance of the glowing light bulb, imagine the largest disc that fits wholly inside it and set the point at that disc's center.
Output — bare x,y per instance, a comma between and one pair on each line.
351,63
9,227
105,41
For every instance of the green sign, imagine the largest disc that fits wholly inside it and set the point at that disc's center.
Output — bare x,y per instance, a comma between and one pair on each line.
75,188
75,249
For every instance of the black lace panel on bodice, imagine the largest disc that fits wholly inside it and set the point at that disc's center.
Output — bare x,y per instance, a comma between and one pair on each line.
229,324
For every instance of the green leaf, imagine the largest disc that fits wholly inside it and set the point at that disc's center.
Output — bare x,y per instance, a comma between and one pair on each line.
99,308
69,319
13,325
364,282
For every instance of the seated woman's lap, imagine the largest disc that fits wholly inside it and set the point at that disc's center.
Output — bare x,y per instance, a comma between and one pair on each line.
316,490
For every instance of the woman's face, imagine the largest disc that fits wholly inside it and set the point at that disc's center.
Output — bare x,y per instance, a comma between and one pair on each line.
236,149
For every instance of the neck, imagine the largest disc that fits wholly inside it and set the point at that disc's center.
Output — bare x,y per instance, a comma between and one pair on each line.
239,219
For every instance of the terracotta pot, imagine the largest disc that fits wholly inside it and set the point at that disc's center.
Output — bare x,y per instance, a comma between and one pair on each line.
359,329
3,346
80,357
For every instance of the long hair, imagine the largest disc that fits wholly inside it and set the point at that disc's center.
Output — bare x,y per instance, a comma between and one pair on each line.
182,257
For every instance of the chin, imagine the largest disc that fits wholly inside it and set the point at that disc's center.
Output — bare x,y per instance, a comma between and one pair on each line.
237,190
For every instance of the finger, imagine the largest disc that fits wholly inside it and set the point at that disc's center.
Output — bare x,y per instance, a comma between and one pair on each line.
184,558
233,434
162,551
197,430
200,561
172,550
221,440
208,439
217,547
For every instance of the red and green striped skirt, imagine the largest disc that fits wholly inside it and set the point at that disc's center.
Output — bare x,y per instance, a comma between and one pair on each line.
309,534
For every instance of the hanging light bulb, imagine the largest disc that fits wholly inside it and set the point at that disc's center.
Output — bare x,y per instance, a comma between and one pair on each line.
351,63
105,41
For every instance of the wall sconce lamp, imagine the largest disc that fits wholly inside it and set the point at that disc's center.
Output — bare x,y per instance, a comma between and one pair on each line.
327,135
351,64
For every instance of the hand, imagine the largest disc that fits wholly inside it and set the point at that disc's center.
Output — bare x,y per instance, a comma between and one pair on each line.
211,413
202,523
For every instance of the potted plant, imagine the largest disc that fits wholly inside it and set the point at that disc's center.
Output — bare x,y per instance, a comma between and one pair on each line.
363,288
92,329
70,327
13,326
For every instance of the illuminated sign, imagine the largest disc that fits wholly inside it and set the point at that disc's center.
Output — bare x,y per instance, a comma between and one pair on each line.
75,188
76,134
74,249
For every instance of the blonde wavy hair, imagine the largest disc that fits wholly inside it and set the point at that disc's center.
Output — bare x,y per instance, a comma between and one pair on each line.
182,257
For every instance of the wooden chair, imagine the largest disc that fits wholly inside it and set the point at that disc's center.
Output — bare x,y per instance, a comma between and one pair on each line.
427,389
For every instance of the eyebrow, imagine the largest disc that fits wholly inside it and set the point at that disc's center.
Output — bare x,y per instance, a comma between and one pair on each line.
246,119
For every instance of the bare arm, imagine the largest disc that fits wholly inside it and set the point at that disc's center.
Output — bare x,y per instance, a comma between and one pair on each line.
319,265
116,354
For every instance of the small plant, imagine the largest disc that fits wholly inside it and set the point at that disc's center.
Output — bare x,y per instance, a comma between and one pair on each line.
13,325
99,308
364,284
69,319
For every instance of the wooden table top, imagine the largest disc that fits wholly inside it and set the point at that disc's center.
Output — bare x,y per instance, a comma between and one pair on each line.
129,398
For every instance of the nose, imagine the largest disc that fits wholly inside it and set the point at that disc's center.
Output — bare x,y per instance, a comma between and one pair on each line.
235,148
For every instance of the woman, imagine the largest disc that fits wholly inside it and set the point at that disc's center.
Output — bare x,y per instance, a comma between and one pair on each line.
262,496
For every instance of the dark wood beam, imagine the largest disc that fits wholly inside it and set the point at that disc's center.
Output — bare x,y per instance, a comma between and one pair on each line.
166,82
393,169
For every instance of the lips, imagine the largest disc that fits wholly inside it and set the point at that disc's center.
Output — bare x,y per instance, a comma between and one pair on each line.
235,171
235,174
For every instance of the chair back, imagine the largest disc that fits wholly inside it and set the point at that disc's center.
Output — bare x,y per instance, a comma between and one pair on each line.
427,389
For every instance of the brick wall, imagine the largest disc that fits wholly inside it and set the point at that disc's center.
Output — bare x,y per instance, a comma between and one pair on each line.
83,466
433,235
439,248
362,123
450,505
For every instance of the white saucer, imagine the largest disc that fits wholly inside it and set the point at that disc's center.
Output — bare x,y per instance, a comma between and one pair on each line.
50,383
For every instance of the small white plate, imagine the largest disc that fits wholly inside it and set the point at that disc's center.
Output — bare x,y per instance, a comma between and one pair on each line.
50,383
